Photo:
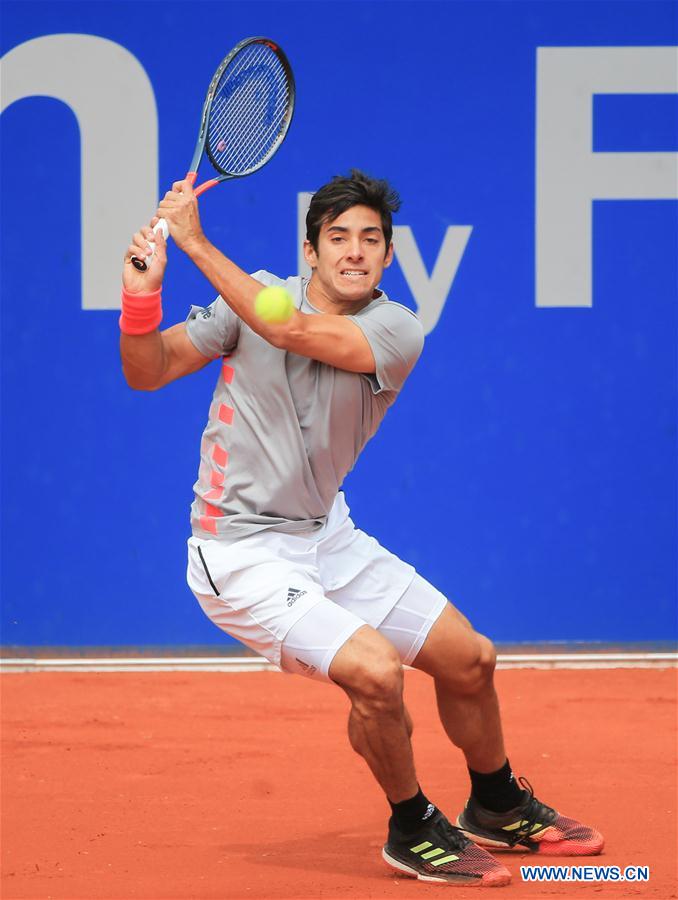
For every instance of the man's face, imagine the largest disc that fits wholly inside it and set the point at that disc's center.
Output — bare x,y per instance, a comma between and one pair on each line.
351,255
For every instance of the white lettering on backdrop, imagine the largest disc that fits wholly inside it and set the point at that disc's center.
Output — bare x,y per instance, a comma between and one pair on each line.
570,175
113,101
118,125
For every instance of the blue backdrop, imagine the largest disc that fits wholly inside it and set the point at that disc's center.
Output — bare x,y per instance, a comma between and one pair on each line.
529,467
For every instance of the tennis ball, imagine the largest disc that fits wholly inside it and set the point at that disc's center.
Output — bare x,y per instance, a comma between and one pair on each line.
274,304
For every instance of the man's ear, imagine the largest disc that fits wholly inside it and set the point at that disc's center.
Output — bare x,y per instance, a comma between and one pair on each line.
388,259
310,255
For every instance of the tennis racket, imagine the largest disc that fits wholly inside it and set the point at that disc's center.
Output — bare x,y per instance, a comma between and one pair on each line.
245,117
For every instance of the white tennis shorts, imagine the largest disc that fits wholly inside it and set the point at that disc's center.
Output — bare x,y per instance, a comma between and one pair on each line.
297,598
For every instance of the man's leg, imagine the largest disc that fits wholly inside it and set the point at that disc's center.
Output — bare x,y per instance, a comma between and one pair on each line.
462,665
498,814
421,841
368,668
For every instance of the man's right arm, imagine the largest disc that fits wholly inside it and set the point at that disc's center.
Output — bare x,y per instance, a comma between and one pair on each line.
150,361
153,359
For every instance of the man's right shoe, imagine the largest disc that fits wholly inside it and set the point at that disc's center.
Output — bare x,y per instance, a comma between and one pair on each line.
440,852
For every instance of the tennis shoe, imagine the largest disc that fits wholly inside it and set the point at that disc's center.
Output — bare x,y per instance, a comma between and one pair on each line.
440,852
532,825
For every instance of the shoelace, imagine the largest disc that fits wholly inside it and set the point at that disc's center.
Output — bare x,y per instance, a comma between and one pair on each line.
534,810
456,838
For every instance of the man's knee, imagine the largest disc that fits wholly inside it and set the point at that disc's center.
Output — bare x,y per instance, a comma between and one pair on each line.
472,671
371,673
377,684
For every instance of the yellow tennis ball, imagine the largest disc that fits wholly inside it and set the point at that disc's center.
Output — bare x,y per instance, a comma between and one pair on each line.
274,304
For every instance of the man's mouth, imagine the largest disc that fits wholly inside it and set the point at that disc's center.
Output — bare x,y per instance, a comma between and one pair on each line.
353,273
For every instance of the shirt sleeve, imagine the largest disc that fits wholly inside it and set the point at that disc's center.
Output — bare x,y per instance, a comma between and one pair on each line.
213,329
396,339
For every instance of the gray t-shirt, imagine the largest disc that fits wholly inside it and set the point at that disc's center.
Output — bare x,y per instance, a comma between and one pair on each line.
284,430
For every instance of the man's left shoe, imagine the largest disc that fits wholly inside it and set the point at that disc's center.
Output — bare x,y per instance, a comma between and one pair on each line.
531,825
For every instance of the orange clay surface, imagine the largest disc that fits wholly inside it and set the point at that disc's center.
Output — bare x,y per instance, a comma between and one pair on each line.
174,785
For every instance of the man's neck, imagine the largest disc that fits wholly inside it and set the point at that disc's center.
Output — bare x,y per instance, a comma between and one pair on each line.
321,300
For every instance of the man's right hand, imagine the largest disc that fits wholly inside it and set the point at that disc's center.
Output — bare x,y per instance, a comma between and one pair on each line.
134,281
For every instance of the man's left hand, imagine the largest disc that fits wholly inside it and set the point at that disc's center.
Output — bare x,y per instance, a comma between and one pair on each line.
180,208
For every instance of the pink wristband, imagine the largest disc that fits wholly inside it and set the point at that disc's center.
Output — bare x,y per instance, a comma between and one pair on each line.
141,313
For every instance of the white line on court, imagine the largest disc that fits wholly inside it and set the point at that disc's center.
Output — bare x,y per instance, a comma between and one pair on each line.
258,664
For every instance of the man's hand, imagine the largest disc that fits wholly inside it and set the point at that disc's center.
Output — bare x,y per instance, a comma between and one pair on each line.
180,208
137,282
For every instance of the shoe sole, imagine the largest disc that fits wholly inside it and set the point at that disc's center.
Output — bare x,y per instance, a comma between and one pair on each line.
547,848
489,880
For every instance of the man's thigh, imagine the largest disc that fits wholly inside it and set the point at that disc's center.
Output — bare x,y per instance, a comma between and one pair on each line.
453,651
312,643
364,578
413,617
253,591
360,575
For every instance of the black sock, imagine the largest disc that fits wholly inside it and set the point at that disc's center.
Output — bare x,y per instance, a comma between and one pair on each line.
409,815
497,791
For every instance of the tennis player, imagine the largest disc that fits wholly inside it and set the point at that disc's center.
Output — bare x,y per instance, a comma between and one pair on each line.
275,560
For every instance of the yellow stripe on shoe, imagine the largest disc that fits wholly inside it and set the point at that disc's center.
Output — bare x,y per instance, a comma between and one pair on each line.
522,824
432,853
421,847
445,859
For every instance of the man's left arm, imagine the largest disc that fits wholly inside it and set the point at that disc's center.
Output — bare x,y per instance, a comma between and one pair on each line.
331,339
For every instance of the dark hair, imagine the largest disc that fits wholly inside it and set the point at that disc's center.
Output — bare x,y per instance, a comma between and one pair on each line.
343,192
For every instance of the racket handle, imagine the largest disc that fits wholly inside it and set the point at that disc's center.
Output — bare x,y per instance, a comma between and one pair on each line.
143,264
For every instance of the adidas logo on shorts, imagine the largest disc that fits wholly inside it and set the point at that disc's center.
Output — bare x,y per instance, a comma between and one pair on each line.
308,669
293,595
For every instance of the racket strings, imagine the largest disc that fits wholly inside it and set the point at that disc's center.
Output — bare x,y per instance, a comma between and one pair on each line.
259,147
250,77
262,65
231,116
242,126
249,110
251,119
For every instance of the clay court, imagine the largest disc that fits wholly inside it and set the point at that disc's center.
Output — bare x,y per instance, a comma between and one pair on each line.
208,785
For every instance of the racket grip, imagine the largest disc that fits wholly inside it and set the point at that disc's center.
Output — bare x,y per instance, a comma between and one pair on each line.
143,264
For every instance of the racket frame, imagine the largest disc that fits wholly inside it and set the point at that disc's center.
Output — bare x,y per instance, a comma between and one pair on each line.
202,145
